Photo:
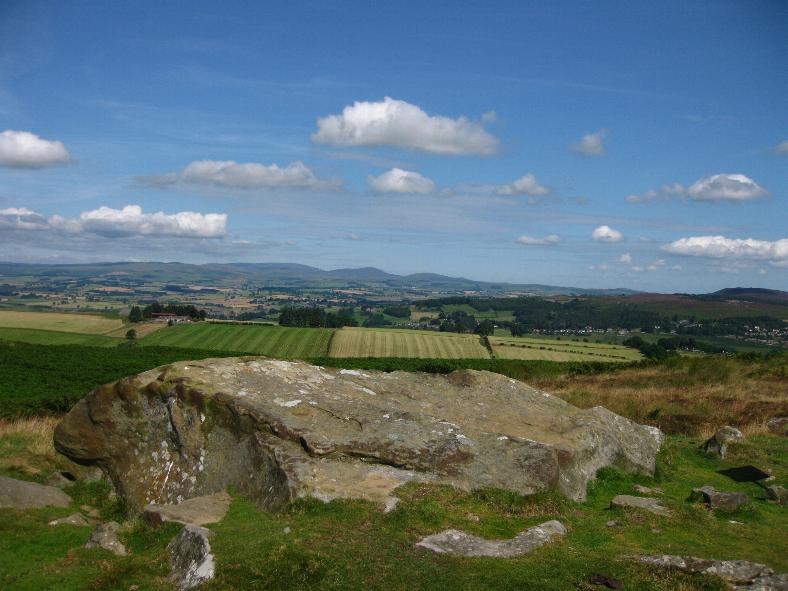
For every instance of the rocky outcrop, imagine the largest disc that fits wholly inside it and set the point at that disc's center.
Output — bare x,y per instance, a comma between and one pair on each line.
741,574
277,430
646,503
716,499
106,536
778,425
777,493
74,519
20,494
191,560
452,541
719,442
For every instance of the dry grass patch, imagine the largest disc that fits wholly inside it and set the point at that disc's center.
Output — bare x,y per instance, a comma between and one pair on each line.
686,396
27,450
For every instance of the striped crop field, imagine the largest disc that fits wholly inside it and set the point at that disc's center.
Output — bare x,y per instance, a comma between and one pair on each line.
371,342
51,337
555,350
274,341
59,321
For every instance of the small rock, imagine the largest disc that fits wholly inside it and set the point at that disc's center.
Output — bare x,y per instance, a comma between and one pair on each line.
778,493
20,494
644,490
656,530
286,530
715,499
191,560
90,511
778,425
459,543
612,523
195,511
106,536
61,480
645,503
606,581
742,574
718,444
472,517
73,519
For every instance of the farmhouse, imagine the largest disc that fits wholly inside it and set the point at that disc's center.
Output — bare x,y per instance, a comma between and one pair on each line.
170,317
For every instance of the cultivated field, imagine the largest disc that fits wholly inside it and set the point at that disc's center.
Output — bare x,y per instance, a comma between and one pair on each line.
555,350
51,337
275,341
61,322
368,342
142,329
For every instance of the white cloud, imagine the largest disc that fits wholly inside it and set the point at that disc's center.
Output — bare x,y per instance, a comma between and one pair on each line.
625,258
392,122
129,221
718,187
676,268
491,117
525,185
397,180
725,187
606,234
22,149
720,247
781,149
592,144
249,175
549,240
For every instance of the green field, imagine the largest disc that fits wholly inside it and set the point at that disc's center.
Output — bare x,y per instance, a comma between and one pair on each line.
51,337
275,341
61,322
370,342
555,350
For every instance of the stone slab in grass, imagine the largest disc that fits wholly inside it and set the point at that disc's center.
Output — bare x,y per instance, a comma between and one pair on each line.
191,560
195,511
20,494
452,541
646,503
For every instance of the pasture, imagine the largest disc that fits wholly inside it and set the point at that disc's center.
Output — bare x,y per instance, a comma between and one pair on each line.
59,321
274,341
366,342
51,337
555,350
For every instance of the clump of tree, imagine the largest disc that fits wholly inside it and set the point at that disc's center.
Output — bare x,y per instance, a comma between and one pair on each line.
397,311
315,317
177,309
648,350
135,314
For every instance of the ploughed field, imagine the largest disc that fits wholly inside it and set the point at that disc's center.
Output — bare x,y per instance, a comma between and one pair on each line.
366,342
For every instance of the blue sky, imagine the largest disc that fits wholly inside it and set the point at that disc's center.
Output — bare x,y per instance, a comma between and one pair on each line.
598,144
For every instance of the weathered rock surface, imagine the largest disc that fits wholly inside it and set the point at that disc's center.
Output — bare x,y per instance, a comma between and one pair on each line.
716,499
778,493
719,442
646,503
73,519
106,536
195,511
20,494
191,561
742,574
452,541
278,430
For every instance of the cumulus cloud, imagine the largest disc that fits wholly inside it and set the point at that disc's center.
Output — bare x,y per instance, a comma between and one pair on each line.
781,149
720,247
248,175
392,122
592,144
129,221
625,258
22,149
549,240
725,187
606,234
718,187
525,185
397,180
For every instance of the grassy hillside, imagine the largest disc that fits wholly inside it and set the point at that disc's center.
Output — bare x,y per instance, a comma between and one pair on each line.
274,341
365,342
51,337
59,321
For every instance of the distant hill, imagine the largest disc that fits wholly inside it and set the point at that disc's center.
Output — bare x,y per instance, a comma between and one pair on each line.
275,274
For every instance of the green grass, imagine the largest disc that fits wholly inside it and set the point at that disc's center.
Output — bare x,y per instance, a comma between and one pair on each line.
51,337
352,545
367,342
59,321
274,341
560,350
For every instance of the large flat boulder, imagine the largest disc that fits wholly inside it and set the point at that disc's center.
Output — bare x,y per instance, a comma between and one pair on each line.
20,494
277,430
